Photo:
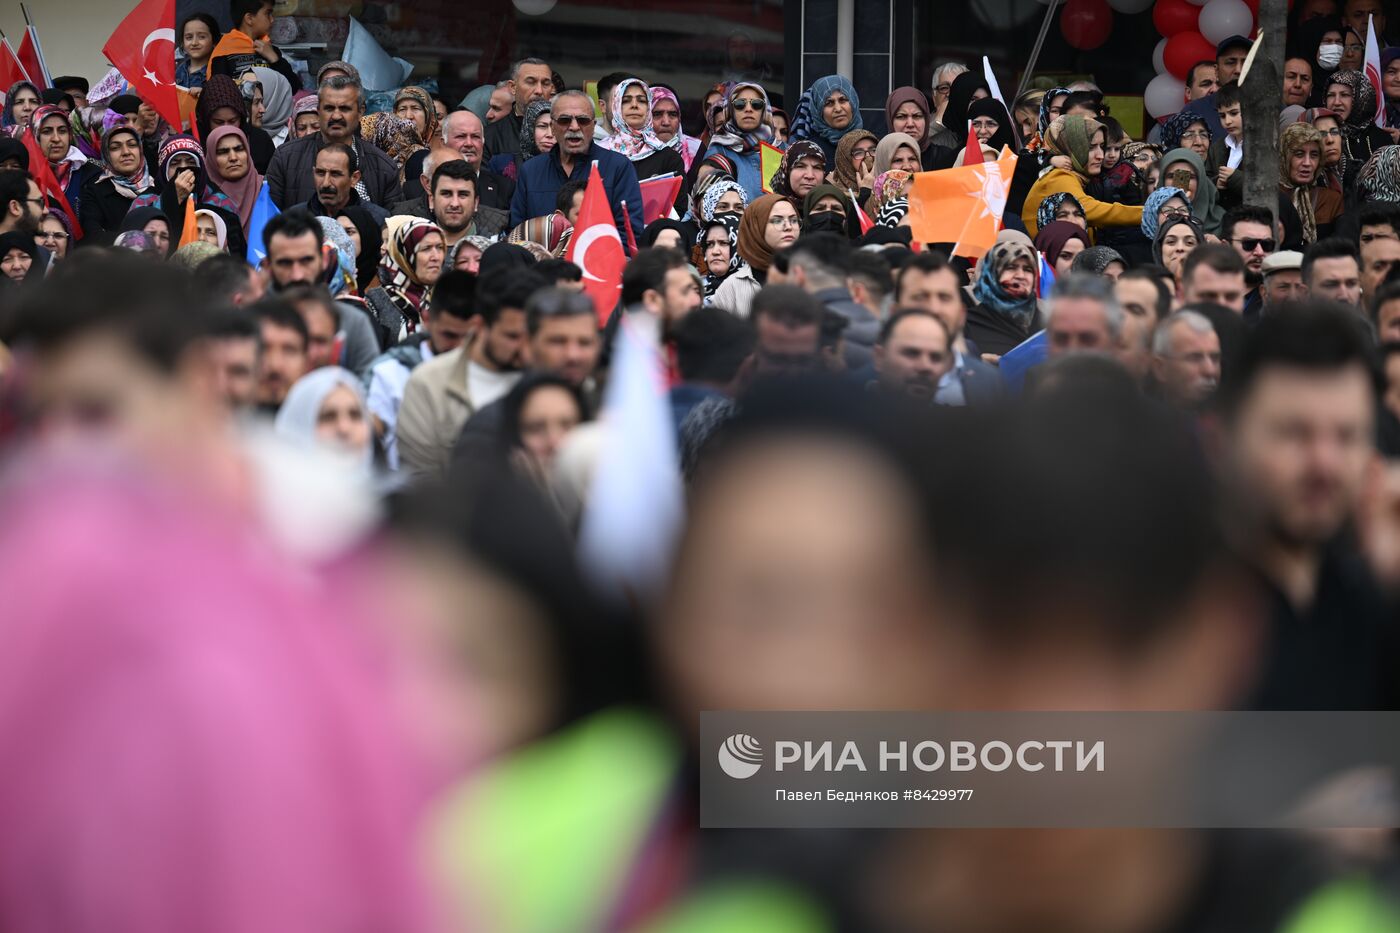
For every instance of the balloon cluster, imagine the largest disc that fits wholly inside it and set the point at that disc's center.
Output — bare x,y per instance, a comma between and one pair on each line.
1191,30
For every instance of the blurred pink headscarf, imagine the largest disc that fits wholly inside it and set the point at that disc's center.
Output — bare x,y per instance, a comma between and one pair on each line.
190,742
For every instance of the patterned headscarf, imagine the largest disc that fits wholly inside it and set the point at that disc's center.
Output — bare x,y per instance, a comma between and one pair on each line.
1153,206
892,213
340,278
1299,134
888,186
753,245
432,128
802,149
635,144
63,168
1333,173
1380,176
1177,124
137,240
139,181
845,168
1010,245
396,137
1070,136
1045,214
687,146
1043,123
552,231
219,91
533,110
717,191
730,224
809,123
396,274
731,136
1363,101
1133,150
1096,259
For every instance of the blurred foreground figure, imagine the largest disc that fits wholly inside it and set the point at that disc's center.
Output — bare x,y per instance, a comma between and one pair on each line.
190,740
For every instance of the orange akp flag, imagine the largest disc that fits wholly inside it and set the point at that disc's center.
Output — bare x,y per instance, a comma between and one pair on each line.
190,232
961,205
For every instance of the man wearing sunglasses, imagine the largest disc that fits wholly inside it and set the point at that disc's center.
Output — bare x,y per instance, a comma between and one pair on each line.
539,180
1250,230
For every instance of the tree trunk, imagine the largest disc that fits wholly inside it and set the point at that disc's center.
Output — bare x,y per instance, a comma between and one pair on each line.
1261,99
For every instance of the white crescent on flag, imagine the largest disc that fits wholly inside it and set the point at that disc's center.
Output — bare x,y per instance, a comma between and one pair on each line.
156,35
590,235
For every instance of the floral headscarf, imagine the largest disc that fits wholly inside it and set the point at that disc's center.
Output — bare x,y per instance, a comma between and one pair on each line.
845,168
396,274
1363,103
1071,136
1154,203
802,149
1179,123
432,128
7,115
687,146
396,137
888,186
717,191
139,181
731,136
1045,118
1380,176
1010,245
635,144
1299,134
809,123
533,110
892,213
730,224
1045,214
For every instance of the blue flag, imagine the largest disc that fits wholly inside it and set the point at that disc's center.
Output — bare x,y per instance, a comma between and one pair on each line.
1047,277
263,211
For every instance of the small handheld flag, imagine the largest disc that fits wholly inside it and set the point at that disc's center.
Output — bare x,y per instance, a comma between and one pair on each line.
770,160
263,211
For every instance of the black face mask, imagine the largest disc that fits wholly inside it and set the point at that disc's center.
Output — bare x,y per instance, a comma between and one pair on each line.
825,222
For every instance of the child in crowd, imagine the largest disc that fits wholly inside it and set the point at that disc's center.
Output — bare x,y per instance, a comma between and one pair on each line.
1227,153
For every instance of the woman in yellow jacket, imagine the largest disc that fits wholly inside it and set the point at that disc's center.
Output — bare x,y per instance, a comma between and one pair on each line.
1080,140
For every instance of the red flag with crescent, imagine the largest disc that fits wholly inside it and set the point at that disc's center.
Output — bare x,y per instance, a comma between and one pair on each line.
596,248
143,49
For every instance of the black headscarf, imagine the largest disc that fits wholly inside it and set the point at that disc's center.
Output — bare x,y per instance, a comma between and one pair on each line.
1304,43
654,228
371,244
991,107
960,98
11,148
14,239
504,256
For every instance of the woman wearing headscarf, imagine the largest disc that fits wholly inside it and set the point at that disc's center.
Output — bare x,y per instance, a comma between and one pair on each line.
1005,310
396,137
758,239
1187,130
364,231
1197,184
1081,140
411,266
853,169
536,138
897,151
106,198
277,103
325,410
1352,98
659,232
687,146
967,87
20,262
802,169
888,186
305,119
634,137
747,124
339,277
989,121
1335,164
231,171
21,100
1097,260
1390,84
151,223
907,111
1160,205
827,210
182,166
54,133
465,255
1379,178
221,101
892,215
723,197
1299,166
478,101
212,228
415,103
716,253
1061,207
828,110
552,231
1059,242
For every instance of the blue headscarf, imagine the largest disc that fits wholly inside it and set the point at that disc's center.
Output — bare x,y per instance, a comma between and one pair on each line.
808,123
1155,200
987,291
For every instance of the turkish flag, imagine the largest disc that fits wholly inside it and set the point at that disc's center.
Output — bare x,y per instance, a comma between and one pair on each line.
143,49
11,69
596,248
972,155
31,55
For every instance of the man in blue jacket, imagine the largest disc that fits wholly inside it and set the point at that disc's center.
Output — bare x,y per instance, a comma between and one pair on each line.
537,186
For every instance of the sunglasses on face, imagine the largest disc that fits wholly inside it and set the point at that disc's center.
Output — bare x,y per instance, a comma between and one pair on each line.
573,119
1249,244
748,103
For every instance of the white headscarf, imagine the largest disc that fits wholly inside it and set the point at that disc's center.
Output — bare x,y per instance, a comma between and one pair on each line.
296,419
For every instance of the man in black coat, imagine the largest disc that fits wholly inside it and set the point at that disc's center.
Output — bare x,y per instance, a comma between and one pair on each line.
530,79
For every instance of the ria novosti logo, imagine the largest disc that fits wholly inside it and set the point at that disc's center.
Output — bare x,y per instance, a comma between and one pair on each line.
740,756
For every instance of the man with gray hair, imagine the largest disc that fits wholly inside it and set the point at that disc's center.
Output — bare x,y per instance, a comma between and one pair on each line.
464,132
1084,316
531,79
340,104
1186,360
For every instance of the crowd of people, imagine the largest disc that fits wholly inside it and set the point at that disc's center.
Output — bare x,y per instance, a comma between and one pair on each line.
306,624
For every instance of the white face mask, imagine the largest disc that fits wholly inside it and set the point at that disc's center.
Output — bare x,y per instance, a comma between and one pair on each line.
1329,56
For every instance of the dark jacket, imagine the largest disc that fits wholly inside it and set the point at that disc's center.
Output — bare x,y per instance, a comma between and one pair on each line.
488,220
981,383
494,190
996,333
317,209
863,329
290,180
77,181
503,137
235,65
541,178
102,207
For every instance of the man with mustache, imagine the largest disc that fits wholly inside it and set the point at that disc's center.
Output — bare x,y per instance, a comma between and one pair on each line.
537,188
463,132
340,104
336,173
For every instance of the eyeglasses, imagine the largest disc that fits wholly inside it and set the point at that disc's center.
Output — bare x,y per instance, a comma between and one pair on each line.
52,235
1249,244
39,201
943,88
1334,131
1196,134
1196,358
781,222
748,103
574,119
862,150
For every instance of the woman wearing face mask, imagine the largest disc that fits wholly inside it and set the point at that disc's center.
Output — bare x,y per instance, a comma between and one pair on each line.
747,124
1300,165
1184,169
1006,310
769,224
1175,239
1082,140
829,109
124,178
824,211
1060,242
907,111
1352,98
723,197
716,253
